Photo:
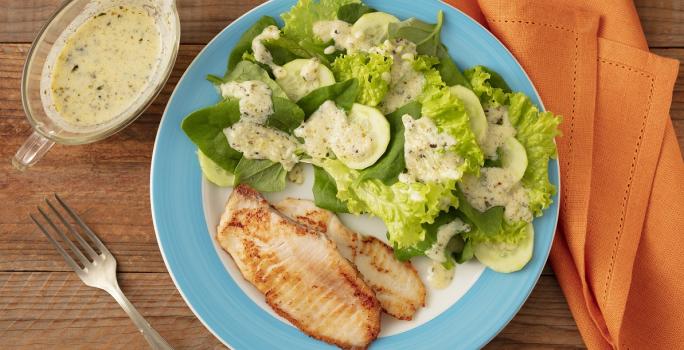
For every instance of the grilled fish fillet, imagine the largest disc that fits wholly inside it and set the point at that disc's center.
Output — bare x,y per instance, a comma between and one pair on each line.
396,284
302,275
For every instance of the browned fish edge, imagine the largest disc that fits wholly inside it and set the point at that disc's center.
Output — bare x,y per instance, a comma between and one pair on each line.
368,302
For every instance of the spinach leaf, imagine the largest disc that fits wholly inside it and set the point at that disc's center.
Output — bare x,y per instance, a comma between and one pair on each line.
205,128
284,50
344,94
451,74
262,174
215,79
496,80
286,116
426,36
246,70
350,13
391,164
317,50
491,163
490,222
325,192
245,43
464,254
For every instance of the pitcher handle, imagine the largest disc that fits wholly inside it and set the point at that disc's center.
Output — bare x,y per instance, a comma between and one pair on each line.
33,149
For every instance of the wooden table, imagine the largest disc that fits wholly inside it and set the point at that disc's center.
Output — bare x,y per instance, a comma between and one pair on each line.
43,304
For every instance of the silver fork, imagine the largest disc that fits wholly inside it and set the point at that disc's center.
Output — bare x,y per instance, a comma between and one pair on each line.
96,269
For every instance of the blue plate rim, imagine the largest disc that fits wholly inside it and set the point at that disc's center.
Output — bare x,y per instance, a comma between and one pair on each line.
555,162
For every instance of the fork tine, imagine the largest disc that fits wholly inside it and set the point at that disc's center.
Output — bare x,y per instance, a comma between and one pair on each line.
74,232
66,240
93,237
59,248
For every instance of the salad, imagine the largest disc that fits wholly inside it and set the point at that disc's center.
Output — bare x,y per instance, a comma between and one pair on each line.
454,162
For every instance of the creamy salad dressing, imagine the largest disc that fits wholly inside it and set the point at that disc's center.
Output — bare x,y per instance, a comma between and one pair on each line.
340,32
262,55
496,187
444,234
328,129
498,130
104,66
257,141
439,277
310,71
405,83
254,97
426,152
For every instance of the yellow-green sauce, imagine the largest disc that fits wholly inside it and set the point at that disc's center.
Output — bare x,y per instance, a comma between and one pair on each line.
105,65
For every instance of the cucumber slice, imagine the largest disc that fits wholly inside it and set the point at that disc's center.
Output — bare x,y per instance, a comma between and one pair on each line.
295,86
514,158
478,120
372,27
214,173
506,258
376,127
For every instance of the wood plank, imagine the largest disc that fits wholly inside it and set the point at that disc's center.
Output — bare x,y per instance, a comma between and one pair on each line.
55,310
201,20
20,20
662,21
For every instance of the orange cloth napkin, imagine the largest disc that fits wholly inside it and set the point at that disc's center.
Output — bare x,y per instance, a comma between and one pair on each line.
619,250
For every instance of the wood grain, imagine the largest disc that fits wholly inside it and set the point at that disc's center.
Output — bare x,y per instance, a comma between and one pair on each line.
662,21
42,304
54,308
20,20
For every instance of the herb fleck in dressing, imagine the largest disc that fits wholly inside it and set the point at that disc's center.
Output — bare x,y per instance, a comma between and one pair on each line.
444,234
255,99
328,129
496,187
406,84
426,152
262,55
340,32
104,65
498,130
257,141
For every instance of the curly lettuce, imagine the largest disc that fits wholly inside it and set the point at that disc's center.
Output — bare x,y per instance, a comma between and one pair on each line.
448,113
302,16
536,131
370,70
403,207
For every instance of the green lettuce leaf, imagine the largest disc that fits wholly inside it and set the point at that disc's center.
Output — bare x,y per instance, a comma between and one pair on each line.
489,95
299,21
449,114
536,132
368,69
403,207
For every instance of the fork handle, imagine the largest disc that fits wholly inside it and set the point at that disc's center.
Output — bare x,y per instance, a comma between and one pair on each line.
153,338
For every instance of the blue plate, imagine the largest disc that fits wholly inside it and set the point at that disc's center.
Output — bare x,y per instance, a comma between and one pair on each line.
202,279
